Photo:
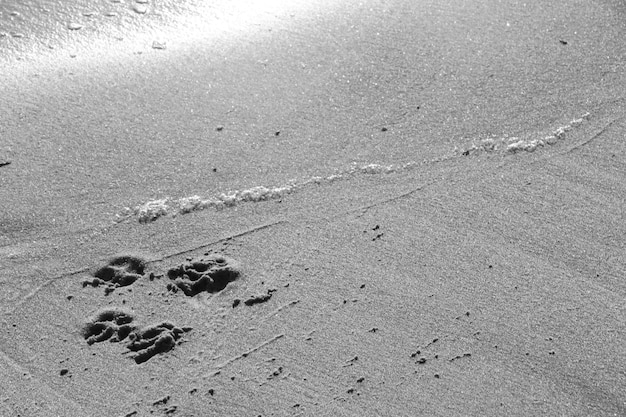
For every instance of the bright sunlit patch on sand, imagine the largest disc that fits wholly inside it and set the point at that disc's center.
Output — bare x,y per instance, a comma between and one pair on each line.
95,33
152,210
241,13
227,20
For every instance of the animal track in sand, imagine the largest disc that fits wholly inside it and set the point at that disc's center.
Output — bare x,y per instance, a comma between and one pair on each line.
115,325
210,273
149,341
109,324
120,271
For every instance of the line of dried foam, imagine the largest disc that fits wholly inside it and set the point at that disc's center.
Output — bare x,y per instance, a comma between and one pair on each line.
155,209
514,144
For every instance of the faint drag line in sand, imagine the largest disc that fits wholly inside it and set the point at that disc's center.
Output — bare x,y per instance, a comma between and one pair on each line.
51,280
246,353
229,237
279,309
364,209
13,363
46,283
578,145
593,137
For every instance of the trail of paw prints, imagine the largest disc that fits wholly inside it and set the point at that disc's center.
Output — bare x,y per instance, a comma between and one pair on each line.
210,273
116,325
120,271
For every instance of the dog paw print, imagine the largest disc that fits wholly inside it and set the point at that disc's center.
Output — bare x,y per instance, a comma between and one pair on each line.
211,274
152,340
109,324
120,271
115,325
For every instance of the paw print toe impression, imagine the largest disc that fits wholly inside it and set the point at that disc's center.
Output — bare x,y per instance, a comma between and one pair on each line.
210,273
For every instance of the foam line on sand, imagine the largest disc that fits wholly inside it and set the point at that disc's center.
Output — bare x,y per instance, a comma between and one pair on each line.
512,145
154,209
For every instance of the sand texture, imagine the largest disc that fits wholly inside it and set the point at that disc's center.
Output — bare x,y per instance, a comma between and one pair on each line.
377,209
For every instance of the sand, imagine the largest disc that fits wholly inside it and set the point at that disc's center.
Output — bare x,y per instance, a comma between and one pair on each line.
389,209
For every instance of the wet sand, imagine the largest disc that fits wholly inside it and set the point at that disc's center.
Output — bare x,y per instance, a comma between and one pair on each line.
386,209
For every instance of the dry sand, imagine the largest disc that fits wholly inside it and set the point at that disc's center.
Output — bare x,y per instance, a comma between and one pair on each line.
440,246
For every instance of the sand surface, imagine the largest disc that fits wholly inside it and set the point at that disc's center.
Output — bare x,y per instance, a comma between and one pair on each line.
419,208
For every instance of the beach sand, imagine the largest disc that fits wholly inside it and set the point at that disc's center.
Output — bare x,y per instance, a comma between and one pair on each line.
391,208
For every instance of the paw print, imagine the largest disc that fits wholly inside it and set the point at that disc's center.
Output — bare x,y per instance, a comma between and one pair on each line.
211,274
120,271
109,324
152,340
115,325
